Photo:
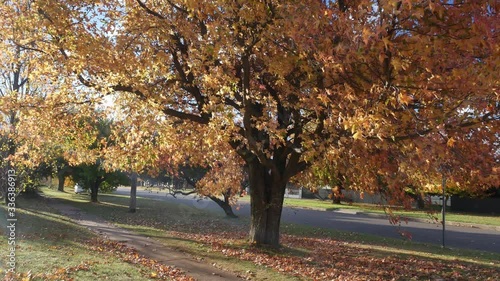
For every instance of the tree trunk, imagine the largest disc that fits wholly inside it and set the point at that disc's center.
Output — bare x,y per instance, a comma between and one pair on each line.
266,205
420,201
336,199
133,193
94,189
61,177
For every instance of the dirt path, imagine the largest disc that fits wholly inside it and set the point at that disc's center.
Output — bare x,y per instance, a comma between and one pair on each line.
144,245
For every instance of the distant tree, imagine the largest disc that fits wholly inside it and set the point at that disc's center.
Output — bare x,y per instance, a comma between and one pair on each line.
94,178
93,174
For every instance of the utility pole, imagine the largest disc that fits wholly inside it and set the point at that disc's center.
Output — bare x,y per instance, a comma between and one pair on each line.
444,209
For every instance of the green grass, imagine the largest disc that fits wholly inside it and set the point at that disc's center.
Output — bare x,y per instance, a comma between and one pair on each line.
50,245
327,205
205,254
156,218
393,246
177,226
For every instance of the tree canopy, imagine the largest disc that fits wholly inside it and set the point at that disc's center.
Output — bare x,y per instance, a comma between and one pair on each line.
384,93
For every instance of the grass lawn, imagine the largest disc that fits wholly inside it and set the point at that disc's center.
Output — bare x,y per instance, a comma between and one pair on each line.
307,253
170,224
450,216
50,247
327,205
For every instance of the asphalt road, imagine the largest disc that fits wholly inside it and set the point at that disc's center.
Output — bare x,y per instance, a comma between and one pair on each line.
456,236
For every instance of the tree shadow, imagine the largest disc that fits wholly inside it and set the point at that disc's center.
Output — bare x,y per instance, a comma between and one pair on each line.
37,222
169,216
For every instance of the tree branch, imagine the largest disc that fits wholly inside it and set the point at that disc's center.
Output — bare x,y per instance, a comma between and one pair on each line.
175,193
149,11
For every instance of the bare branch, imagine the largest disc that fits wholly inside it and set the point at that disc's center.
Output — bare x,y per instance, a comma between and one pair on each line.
177,192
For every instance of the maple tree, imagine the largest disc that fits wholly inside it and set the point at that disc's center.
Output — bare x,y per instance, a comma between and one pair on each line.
31,99
386,93
16,66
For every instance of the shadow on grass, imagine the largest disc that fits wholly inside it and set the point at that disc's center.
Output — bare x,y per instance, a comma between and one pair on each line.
49,246
385,246
168,216
38,221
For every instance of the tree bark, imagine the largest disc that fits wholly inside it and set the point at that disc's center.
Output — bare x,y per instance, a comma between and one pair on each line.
266,205
94,190
420,201
133,193
336,199
61,177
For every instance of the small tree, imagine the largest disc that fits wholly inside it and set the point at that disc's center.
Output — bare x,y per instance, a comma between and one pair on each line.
94,178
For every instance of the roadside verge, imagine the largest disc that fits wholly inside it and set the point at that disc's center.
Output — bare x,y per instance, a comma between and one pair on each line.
142,244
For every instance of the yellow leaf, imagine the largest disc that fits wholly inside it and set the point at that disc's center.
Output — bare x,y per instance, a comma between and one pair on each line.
386,41
381,57
432,6
451,142
366,35
357,135
405,99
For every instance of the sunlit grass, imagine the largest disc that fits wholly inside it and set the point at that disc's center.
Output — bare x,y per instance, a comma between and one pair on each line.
396,246
465,218
49,244
193,231
160,220
155,215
